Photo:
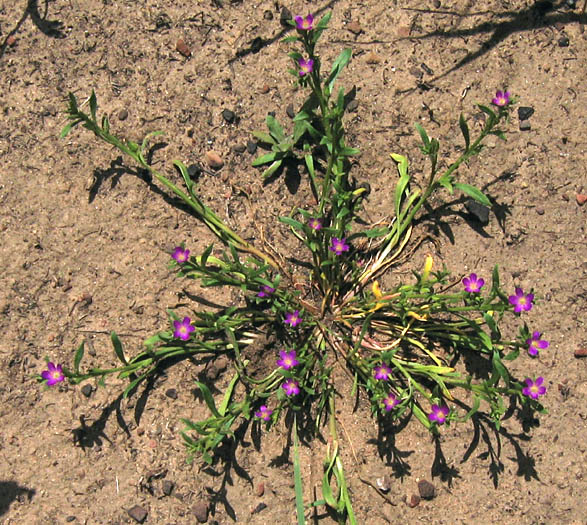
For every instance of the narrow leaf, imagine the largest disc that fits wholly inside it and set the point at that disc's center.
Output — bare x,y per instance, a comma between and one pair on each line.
473,192
118,348
208,399
79,354
465,131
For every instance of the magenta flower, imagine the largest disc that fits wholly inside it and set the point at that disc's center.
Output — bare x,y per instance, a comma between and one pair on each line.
535,344
183,329
521,301
438,414
315,224
382,372
291,387
339,246
266,291
53,374
264,413
473,284
534,389
390,402
181,255
288,359
293,319
502,98
306,66
304,24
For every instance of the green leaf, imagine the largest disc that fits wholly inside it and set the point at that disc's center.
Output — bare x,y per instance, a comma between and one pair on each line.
424,137
105,124
264,159
264,137
208,399
499,368
133,385
68,128
299,490
118,348
349,152
402,163
310,165
228,394
272,169
474,408
338,65
182,168
79,354
275,128
93,105
204,257
292,222
473,192
465,131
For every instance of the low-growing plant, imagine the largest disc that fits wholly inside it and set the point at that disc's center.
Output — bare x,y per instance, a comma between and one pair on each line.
400,346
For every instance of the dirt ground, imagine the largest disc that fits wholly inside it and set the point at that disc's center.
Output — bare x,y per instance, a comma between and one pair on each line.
86,242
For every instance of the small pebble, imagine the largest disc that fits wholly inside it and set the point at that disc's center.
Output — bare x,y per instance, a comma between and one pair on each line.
11,41
563,41
413,501
540,211
372,58
182,47
138,513
436,4
352,106
69,519
525,125
267,15
426,489
479,212
194,170
171,393
581,352
167,487
87,390
213,160
239,148
228,115
251,147
260,489
581,198
259,508
354,27
200,511
525,112
285,17
403,31
122,114
290,111
416,72
265,89
383,483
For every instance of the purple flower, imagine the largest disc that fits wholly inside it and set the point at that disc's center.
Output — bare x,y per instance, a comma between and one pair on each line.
53,374
304,24
183,329
315,224
521,301
181,255
266,291
293,319
502,98
264,413
438,414
382,372
473,284
306,66
291,387
288,359
390,402
339,246
535,344
534,389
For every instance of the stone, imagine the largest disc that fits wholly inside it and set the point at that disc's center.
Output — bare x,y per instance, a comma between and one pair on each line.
11,41
87,390
354,27
413,501
564,41
479,212
259,508
167,487
171,393
122,114
182,47
383,483
290,111
540,211
213,160
285,17
251,147
581,352
372,58
194,170
228,115
525,112
426,489
352,106
260,489
581,198
267,15
239,148
138,513
200,511
525,125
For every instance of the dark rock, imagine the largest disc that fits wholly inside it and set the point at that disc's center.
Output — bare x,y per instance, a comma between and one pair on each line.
194,170
540,211
436,4
525,112
122,114
352,106
413,501
259,508
69,519
138,513
200,511
564,41
167,487
479,212
426,489
171,393
525,125
290,111
581,352
228,115
87,390
239,148
285,17
251,147
267,15
257,44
